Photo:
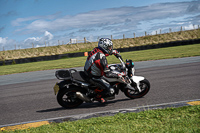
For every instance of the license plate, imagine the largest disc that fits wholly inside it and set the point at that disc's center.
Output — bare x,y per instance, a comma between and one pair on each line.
56,88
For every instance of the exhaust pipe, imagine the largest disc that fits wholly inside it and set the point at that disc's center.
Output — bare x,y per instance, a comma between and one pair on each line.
83,97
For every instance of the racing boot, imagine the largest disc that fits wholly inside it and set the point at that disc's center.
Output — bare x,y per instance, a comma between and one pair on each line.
100,99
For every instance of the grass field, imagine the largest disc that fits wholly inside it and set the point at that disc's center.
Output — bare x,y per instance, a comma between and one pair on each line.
143,55
171,120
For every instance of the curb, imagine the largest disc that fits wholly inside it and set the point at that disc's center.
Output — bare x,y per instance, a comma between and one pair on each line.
29,124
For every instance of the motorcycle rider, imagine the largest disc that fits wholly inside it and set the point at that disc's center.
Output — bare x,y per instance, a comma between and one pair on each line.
96,67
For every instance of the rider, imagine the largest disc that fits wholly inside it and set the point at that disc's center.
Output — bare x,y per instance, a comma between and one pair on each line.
96,66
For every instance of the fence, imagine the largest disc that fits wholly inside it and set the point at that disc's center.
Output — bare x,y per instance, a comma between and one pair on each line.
75,41
54,57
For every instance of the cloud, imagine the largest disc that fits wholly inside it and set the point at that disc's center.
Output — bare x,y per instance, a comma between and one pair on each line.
3,40
126,17
106,22
10,13
23,21
86,30
39,41
1,29
190,27
48,35
193,8
7,44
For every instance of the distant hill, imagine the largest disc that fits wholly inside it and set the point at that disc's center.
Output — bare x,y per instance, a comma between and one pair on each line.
84,47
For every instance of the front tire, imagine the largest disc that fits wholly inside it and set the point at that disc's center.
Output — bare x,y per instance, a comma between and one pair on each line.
67,98
145,87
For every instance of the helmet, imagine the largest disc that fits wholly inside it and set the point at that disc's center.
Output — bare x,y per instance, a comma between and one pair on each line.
105,44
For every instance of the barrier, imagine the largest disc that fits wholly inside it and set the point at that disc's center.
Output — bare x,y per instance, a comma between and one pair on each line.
85,53
69,55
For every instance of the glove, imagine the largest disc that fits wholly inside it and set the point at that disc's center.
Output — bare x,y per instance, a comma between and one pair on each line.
121,78
116,53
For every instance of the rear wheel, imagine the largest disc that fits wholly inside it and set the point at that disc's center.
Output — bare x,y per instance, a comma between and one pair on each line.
67,98
144,86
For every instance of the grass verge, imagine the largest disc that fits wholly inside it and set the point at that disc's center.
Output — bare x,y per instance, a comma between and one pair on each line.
184,120
143,55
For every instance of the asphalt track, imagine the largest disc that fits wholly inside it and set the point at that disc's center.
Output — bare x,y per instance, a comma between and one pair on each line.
29,96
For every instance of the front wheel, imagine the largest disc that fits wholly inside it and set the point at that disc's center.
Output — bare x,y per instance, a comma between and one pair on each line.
67,98
144,86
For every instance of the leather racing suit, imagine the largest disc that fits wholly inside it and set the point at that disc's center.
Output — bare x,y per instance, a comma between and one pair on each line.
95,67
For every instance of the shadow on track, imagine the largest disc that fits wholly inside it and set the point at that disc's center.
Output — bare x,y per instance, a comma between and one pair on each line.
85,105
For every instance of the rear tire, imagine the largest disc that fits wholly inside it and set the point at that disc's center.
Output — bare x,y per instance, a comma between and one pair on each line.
145,87
67,97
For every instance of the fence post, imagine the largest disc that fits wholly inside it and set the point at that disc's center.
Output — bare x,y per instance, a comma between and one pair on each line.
58,42
84,40
123,36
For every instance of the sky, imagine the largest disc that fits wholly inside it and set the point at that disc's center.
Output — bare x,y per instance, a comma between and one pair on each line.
52,22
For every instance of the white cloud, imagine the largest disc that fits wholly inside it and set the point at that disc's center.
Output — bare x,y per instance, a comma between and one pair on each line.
39,41
48,35
6,41
127,17
22,21
7,44
190,27
32,39
3,40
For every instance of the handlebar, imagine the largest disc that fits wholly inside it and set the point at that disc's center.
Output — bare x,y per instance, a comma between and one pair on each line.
123,64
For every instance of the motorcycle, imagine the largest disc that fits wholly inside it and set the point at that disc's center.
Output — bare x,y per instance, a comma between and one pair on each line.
74,89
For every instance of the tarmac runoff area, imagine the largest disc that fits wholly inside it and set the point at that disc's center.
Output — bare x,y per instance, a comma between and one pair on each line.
30,124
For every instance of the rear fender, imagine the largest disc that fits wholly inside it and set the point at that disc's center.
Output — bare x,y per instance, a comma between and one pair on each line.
64,84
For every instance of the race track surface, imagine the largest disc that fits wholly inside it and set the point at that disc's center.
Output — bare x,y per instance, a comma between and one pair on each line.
29,96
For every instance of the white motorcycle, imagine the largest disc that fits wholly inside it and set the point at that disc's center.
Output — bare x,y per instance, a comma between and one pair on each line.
74,89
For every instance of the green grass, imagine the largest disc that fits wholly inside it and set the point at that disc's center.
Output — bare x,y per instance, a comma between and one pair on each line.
171,120
143,55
